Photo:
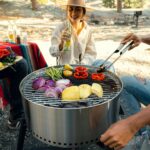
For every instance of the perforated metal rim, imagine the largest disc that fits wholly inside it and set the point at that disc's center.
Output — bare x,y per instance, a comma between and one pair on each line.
63,144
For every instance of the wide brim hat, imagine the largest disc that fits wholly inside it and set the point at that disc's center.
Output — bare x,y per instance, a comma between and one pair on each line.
79,3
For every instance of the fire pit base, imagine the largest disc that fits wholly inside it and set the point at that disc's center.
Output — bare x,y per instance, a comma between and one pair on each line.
22,134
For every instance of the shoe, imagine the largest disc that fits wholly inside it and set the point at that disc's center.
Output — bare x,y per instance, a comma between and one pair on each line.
14,124
14,119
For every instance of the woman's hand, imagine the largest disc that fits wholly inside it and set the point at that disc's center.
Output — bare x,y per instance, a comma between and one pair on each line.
132,37
64,37
119,134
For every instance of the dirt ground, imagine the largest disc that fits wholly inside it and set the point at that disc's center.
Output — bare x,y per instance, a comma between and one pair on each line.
39,26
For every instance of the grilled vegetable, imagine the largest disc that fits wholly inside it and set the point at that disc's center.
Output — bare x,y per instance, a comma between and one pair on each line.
51,92
67,73
97,89
37,83
62,86
98,76
68,67
58,90
71,93
65,82
85,90
54,73
50,83
81,72
81,75
81,69
43,88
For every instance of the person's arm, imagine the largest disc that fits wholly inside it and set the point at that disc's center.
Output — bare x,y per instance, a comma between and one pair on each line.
137,39
120,133
56,40
146,39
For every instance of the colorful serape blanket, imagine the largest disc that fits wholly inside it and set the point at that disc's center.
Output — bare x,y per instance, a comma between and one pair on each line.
31,53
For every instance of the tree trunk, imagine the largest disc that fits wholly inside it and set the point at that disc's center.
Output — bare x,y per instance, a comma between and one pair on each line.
34,4
119,6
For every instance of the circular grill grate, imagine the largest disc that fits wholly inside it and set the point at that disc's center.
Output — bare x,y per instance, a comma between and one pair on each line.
111,88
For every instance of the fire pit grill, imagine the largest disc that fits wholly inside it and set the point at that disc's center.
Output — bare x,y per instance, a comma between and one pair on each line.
70,124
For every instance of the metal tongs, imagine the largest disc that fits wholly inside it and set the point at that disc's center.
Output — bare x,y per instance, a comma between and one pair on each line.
121,50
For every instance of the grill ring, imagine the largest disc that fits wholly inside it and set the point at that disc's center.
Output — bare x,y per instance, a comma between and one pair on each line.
111,87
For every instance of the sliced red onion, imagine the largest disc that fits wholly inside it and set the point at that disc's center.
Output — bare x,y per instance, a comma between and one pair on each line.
62,86
51,93
65,82
50,83
43,88
58,90
37,83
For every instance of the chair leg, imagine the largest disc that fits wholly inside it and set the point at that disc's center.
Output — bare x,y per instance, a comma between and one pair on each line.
21,136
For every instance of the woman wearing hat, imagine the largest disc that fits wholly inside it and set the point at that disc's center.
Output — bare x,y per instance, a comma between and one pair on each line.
72,41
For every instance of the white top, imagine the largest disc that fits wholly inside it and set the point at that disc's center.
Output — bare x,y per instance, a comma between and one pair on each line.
81,44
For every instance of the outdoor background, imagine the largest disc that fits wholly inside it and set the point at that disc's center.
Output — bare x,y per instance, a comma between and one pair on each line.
38,20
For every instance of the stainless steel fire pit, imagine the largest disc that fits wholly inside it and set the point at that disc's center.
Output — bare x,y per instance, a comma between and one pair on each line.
70,125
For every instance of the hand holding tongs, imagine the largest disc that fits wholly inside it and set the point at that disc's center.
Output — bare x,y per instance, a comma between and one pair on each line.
121,50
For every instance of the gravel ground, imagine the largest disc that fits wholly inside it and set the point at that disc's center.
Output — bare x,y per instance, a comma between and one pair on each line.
39,25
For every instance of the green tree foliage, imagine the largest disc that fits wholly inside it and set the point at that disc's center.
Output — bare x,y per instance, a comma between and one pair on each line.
125,3
109,3
133,3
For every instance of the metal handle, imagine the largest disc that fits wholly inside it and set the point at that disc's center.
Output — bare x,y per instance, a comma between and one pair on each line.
121,53
121,50
116,51
57,60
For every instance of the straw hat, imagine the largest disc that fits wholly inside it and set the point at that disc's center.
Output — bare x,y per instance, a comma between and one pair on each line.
80,3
